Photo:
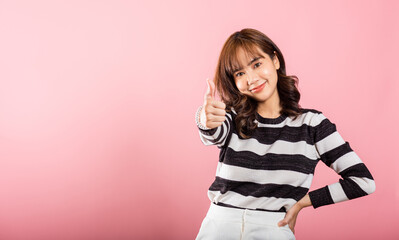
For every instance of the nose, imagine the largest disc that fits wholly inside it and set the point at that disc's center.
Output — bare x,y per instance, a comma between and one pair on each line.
252,77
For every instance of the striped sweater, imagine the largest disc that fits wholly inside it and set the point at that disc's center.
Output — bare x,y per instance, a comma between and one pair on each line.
273,169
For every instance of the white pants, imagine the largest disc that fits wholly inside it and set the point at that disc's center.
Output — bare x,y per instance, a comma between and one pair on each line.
224,223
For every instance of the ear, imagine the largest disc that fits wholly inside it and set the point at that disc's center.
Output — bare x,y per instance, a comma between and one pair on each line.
276,61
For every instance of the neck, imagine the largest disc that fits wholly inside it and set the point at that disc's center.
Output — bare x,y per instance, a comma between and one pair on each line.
270,108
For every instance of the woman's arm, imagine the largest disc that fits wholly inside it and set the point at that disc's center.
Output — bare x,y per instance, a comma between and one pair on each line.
304,202
214,123
337,154
292,213
215,136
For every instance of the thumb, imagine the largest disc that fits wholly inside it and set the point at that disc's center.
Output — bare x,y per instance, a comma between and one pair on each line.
282,223
210,93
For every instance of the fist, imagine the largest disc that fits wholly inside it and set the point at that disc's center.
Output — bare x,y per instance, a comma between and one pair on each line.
213,112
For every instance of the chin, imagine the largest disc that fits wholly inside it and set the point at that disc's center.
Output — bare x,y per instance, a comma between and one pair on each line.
263,97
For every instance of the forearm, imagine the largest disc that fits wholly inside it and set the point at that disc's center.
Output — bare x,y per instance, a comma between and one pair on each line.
304,202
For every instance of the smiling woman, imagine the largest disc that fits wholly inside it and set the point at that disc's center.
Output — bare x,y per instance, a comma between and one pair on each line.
258,73
249,59
269,146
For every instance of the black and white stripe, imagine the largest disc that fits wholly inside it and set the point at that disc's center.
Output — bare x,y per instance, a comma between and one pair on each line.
274,169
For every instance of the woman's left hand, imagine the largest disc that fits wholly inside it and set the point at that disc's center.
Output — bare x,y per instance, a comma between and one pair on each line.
290,218
292,213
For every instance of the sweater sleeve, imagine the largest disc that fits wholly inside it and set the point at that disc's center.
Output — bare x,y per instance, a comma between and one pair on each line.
218,136
337,154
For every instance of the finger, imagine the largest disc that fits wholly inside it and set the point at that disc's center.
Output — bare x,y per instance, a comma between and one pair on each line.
213,88
212,113
282,223
292,229
210,92
219,104
216,119
218,112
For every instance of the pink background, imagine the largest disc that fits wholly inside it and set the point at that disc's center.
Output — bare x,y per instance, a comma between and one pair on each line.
97,103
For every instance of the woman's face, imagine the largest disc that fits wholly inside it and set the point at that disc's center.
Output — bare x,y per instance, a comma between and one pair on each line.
258,78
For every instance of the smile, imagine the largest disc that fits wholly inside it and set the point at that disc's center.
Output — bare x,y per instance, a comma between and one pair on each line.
258,88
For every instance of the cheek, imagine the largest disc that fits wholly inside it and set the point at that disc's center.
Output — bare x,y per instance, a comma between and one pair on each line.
241,85
266,72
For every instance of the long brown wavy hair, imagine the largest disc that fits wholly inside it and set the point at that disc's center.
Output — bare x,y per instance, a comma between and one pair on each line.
249,39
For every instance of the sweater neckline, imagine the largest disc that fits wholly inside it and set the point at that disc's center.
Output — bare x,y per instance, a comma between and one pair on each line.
277,120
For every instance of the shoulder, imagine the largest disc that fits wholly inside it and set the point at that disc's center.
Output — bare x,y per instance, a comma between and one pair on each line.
314,116
310,111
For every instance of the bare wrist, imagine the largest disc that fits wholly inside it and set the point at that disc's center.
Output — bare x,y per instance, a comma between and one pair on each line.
304,202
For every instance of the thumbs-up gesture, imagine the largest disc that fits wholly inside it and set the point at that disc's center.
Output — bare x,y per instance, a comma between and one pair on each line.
213,112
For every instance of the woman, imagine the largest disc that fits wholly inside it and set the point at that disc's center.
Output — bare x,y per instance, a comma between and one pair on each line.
269,146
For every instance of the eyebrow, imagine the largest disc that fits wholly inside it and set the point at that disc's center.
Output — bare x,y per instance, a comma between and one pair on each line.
253,60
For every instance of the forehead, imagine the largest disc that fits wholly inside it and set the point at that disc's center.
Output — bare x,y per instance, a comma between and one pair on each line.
242,55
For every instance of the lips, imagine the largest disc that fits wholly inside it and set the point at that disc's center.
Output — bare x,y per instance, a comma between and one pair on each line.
258,88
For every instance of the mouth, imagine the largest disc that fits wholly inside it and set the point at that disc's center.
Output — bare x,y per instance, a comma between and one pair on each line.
258,88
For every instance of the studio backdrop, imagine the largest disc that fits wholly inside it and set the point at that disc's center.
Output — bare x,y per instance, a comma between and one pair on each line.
97,101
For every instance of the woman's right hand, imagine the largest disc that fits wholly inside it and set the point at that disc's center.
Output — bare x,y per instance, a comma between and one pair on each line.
213,112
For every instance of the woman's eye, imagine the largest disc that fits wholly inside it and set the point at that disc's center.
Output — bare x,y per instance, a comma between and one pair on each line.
238,74
257,64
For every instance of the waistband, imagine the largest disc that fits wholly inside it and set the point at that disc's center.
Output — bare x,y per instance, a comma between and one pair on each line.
282,209
250,216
